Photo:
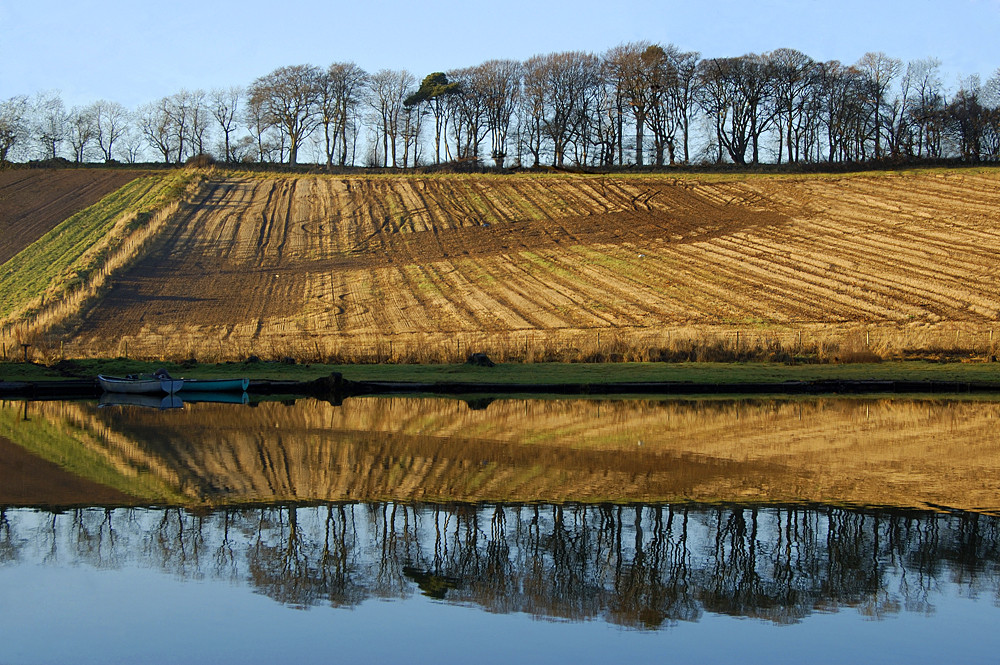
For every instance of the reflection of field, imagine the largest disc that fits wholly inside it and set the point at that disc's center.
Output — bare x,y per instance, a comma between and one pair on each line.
322,266
907,453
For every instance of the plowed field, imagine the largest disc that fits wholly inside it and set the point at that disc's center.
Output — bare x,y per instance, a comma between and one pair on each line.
33,201
327,265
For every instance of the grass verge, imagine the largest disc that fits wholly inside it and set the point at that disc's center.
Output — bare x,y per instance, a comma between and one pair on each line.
68,257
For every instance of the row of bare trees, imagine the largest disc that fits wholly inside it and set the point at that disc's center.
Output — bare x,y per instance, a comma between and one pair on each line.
639,103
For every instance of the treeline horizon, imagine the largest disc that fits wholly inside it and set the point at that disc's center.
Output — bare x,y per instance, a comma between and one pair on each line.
638,104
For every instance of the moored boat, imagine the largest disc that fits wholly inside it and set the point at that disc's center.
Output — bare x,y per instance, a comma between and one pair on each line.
216,385
138,384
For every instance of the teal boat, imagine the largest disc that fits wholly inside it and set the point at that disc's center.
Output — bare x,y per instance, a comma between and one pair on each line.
215,385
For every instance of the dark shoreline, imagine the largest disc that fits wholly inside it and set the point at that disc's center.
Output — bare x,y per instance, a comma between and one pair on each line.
336,388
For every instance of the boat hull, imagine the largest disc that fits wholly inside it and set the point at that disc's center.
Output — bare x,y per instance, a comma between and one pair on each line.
115,384
215,385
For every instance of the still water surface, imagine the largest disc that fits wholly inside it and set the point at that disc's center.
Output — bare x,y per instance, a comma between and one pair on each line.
427,530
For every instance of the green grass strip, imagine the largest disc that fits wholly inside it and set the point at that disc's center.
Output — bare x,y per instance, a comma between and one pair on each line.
533,373
59,260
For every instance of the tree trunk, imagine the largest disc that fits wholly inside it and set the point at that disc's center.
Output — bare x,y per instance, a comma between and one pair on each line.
640,120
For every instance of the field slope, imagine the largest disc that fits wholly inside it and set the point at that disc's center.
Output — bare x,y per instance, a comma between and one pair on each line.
419,267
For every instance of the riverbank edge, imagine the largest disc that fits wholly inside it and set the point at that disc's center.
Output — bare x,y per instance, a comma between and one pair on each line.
335,387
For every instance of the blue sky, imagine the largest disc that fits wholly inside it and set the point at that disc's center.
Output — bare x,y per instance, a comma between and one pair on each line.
132,51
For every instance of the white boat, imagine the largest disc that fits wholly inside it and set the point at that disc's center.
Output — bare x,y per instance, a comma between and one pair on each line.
139,384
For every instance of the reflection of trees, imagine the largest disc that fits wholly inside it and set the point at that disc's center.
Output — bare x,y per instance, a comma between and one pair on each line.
303,569
635,565
8,541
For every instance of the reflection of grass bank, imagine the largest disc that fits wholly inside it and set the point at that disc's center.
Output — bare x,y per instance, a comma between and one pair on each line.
530,373
85,450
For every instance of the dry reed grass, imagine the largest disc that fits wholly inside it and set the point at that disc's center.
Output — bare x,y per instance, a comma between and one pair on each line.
814,343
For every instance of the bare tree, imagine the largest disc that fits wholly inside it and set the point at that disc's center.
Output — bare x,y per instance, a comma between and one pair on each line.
925,104
412,124
156,121
608,123
111,121
879,70
130,145
225,107
349,82
839,90
500,82
389,89
968,122
627,70
531,121
260,123
185,120
197,109
13,125
468,111
735,92
83,131
662,118
50,122
341,87
793,80
562,89
289,97
685,91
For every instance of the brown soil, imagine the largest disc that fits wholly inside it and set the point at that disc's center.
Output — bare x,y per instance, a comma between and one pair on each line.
26,480
265,265
33,201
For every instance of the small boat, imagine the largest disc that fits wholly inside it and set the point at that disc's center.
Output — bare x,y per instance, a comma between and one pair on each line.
157,384
216,385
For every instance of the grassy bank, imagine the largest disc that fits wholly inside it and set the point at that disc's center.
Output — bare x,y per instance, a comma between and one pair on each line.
531,373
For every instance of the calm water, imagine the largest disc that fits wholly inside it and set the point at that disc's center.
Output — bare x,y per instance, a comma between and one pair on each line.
425,530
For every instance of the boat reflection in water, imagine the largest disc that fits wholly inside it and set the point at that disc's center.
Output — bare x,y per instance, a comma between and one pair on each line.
172,401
